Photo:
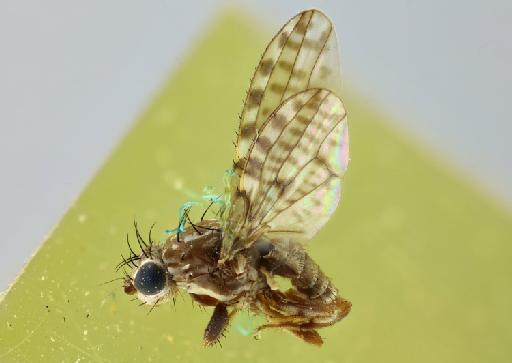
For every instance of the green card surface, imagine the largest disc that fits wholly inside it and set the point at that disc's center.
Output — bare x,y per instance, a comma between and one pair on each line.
423,256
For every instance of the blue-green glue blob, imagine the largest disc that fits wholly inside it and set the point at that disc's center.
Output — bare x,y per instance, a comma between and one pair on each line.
208,195
246,323
183,221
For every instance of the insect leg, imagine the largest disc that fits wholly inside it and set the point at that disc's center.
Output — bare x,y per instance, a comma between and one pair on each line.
300,314
217,325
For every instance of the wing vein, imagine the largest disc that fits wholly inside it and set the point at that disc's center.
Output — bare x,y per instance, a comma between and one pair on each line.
292,142
296,56
304,195
251,85
319,54
305,165
290,150
273,68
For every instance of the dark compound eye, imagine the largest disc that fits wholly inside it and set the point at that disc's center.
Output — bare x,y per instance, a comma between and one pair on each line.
150,279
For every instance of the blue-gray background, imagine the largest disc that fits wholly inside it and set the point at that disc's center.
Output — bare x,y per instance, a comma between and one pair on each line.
74,76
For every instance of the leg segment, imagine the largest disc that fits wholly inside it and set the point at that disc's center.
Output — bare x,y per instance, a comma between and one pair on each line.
301,315
216,326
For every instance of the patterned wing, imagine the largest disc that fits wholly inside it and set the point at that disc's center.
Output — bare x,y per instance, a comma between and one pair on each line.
302,55
291,181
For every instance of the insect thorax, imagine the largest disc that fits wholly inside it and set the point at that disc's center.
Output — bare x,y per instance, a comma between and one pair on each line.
192,260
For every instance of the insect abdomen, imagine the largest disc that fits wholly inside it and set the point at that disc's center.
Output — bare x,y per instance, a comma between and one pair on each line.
291,260
313,282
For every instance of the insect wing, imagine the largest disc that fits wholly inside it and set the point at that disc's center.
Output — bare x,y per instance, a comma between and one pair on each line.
302,55
292,178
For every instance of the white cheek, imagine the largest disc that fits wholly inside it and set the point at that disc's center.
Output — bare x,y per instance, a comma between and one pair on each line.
172,270
157,299
198,290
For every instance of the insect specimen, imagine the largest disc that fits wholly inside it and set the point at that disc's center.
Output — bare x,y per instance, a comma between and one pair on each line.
285,183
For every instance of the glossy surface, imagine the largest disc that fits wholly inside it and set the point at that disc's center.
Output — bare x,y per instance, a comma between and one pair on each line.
150,278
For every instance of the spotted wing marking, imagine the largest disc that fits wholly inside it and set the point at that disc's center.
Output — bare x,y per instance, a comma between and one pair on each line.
302,55
292,175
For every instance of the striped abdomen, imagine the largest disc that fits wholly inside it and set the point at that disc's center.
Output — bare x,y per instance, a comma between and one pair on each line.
291,260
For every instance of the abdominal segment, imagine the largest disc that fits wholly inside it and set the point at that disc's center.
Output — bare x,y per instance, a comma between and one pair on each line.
313,301
290,260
